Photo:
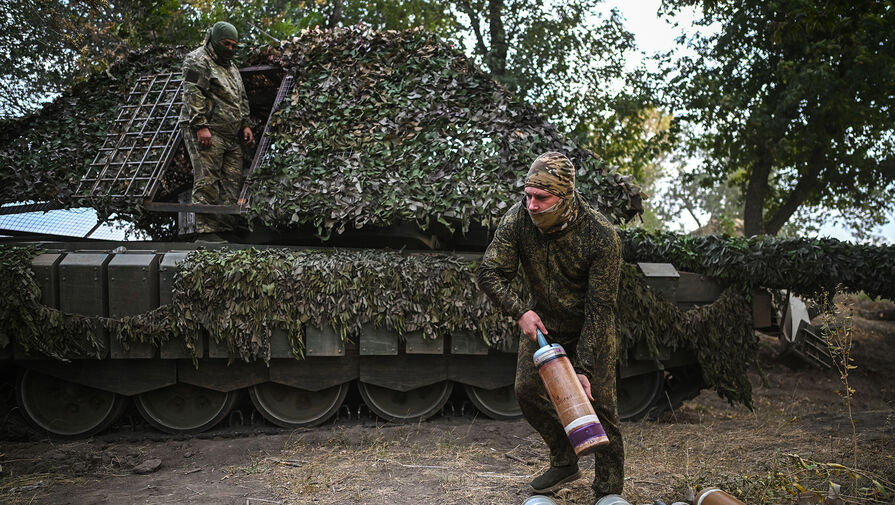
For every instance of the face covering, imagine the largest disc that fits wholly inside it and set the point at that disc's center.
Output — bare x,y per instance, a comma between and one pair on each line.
220,31
554,173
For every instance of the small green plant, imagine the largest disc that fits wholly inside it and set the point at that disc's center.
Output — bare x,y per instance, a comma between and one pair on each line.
838,330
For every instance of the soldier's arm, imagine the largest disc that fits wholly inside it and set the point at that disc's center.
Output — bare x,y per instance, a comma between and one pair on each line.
597,340
244,103
499,266
195,90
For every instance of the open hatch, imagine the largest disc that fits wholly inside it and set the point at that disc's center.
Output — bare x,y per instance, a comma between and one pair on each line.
142,159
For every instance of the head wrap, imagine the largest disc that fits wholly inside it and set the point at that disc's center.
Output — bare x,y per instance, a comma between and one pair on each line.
220,31
554,173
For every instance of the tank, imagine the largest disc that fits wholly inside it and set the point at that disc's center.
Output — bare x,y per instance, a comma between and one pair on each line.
343,202
188,388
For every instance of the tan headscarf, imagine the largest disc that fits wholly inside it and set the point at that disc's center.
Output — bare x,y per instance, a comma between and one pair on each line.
554,173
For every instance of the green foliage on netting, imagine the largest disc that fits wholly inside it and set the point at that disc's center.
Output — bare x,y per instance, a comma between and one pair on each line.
248,293
384,127
34,326
240,297
808,267
719,334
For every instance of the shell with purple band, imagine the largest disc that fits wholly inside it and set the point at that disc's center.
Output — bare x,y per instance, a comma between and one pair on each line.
575,411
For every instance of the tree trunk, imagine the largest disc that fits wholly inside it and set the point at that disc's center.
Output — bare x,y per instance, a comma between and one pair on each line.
336,17
756,193
807,183
497,60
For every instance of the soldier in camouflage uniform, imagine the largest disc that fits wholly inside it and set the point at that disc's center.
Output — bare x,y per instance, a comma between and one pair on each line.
571,257
215,112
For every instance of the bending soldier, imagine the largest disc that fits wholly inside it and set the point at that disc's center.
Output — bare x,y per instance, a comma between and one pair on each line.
571,257
215,113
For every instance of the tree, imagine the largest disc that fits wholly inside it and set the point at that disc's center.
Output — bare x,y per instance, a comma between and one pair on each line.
797,97
569,60
47,44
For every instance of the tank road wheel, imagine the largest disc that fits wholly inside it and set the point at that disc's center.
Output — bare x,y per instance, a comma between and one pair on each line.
406,406
497,403
184,408
638,394
65,409
292,407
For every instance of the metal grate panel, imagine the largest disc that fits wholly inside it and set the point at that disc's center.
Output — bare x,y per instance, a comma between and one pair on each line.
286,87
140,144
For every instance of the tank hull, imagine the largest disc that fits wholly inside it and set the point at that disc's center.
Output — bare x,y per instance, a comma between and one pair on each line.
186,390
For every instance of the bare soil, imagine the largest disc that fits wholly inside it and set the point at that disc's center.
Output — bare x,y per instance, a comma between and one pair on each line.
798,435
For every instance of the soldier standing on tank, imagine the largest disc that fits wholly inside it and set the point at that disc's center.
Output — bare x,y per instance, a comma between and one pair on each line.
571,257
215,113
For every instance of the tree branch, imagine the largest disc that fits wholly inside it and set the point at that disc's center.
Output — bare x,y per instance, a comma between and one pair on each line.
756,193
798,195
476,28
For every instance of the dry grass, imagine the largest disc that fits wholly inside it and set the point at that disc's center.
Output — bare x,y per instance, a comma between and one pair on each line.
400,464
29,488
796,441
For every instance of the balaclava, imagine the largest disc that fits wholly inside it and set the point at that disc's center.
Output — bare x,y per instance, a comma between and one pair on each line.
555,174
220,31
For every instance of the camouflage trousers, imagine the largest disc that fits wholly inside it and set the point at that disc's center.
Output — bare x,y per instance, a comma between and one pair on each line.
609,459
217,178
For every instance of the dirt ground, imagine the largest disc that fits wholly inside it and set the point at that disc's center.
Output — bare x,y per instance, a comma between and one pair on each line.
799,437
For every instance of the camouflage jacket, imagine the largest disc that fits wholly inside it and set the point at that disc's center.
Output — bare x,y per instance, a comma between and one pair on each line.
213,94
572,278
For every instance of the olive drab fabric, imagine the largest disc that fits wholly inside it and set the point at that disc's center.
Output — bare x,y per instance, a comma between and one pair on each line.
220,31
213,94
217,178
554,173
214,97
572,276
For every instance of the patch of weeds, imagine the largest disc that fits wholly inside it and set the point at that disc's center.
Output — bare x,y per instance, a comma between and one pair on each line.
790,476
25,488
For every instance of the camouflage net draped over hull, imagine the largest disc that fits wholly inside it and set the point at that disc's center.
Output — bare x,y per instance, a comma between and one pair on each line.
239,297
32,325
384,127
720,334
809,267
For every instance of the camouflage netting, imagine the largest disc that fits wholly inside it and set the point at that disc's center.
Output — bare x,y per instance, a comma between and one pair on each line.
239,297
35,326
719,333
382,127
45,154
808,267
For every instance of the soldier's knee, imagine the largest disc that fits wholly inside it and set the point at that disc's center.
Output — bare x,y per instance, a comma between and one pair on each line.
526,394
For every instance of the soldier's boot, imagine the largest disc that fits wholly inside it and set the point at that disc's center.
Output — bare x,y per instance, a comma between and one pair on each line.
554,477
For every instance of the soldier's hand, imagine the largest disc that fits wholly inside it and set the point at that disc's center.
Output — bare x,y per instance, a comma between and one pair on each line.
529,323
248,135
586,385
203,136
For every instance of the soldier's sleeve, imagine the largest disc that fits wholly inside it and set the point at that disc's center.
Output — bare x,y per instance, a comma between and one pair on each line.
195,90
596,343
243,104
499,266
